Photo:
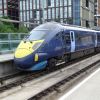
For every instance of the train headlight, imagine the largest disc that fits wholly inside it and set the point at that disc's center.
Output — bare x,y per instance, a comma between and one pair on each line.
36,58
36,45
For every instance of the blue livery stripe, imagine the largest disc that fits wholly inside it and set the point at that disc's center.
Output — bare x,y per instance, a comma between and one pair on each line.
38,66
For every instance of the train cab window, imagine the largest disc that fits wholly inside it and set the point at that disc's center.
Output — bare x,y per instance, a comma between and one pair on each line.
36,35
47,26
67,38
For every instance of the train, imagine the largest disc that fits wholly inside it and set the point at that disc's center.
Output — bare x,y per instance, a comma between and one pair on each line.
51,43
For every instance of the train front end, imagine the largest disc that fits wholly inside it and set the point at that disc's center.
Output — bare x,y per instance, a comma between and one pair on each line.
27,56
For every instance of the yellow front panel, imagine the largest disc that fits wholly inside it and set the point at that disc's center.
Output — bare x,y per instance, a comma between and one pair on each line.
20,53
25,48
26,45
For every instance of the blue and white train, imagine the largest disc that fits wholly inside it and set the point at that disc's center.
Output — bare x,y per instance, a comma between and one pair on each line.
52,42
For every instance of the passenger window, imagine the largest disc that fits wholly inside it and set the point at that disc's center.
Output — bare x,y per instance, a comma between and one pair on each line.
98,37
86,40
78,37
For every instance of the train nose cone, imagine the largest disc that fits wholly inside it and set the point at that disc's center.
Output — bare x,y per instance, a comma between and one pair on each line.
20,53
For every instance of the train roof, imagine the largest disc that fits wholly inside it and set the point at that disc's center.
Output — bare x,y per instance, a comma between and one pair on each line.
48,26
79,29
67,26
54,25
75,27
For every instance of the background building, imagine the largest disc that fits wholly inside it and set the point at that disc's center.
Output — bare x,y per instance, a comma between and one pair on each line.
87,13
13,10
77,12
97,12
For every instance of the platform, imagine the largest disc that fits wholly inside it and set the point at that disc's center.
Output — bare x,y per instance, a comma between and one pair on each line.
7,64
88,89
6,57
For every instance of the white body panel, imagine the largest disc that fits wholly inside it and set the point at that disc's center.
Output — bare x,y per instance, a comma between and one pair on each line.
72,36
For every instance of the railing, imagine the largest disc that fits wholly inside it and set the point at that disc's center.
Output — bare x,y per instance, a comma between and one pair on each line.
9,41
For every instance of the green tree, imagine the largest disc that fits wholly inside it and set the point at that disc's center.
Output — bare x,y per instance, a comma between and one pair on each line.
23,29
7,27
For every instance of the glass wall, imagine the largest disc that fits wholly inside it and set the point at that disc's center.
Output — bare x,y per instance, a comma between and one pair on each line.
9,41
76,12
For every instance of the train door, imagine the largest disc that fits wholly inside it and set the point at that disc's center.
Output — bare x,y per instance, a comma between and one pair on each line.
72,37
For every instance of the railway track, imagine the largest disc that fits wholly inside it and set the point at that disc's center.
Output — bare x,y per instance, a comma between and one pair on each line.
54,87
13,77
59,87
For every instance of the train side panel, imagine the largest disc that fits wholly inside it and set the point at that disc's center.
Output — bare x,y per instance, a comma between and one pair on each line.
55,46
98,42
84,40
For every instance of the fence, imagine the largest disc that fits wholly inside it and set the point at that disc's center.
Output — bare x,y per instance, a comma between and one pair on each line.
9,41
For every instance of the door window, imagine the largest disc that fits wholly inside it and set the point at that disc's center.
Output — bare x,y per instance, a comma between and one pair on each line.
72,38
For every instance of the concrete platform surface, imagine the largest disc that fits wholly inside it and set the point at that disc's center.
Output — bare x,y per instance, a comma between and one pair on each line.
88,89
6,57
